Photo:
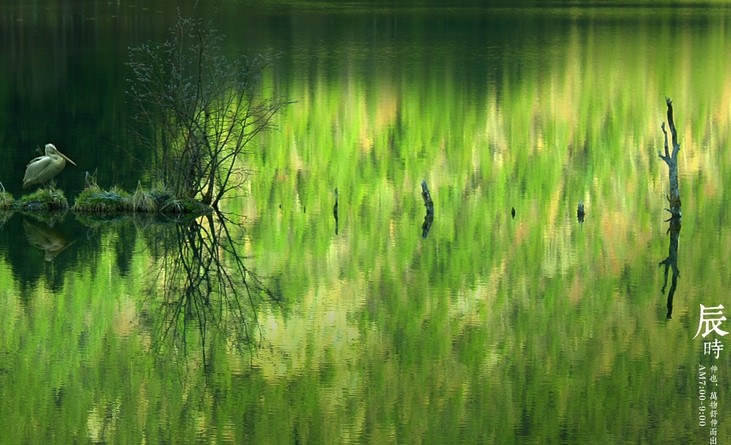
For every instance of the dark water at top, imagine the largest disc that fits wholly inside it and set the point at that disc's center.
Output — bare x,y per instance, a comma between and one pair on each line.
285,325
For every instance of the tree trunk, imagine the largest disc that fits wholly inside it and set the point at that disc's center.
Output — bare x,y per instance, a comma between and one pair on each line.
671,159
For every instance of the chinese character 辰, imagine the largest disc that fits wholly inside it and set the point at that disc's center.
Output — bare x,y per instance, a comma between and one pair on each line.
711,317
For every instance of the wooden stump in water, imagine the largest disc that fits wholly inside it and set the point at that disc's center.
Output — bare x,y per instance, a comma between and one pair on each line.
429,204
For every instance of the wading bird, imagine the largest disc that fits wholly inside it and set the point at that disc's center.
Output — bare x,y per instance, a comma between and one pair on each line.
43,168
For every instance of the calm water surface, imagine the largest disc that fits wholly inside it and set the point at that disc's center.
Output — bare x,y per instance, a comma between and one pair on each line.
282,324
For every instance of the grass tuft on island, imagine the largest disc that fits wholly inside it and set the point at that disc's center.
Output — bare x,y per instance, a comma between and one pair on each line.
94,199
43,199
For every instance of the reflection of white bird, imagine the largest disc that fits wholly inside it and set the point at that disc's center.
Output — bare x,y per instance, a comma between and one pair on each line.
42,237
43,168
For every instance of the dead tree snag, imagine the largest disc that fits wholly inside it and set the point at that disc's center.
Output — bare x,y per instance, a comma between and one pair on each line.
671,159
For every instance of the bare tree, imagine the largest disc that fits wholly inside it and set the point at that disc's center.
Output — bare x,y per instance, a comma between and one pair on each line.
200,109
671,159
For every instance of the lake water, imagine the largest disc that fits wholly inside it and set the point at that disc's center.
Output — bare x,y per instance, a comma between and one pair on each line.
283,324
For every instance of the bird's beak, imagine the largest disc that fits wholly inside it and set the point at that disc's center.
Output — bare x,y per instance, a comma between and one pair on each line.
66,157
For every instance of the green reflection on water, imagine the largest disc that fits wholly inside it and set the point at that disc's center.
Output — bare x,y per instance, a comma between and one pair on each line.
491,329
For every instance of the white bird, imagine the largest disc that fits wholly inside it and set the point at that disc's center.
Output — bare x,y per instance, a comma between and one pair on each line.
44,168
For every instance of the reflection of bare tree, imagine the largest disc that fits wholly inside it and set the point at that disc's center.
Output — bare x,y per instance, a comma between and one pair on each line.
671,262
335,210
206,285
5,216
429,204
